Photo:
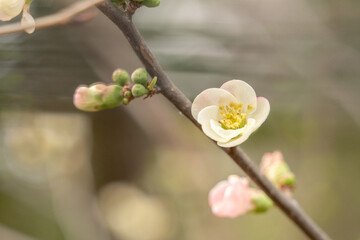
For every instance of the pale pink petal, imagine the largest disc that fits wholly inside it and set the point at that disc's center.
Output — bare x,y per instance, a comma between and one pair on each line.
228,209
269,161
80,96
217,193
235,179
266,161
278,156
246,134
85,100
242,91
262,111
209,97
230,198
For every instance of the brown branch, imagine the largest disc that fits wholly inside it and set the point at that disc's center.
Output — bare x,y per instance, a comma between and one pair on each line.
173,94
65,16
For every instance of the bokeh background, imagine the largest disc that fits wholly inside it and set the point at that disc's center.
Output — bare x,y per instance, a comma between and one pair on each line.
143,172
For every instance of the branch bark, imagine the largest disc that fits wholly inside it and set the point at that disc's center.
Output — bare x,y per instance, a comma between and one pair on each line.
65,16
288,205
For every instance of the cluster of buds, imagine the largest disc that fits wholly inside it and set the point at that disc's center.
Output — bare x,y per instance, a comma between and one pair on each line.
100,96
146,3
233,197
277,171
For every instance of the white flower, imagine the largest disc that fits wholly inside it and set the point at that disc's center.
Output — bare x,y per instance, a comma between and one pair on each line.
230,114
11,8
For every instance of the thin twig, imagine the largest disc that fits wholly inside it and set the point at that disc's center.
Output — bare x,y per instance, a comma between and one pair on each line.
62,17
173,94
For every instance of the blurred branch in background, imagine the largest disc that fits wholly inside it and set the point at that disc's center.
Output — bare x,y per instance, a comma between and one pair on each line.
70,15
173,94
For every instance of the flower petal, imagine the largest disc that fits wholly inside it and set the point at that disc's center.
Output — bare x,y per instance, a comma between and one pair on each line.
211,96
227,134
242,91
10,9
211,134
234,142
226,209
205,116
217,193
27,20
261,112
4,17
208,113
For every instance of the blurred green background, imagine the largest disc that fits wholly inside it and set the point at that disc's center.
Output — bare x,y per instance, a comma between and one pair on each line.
143,172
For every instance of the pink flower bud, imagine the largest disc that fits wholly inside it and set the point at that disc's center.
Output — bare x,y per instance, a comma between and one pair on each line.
89,98
277,171
231,198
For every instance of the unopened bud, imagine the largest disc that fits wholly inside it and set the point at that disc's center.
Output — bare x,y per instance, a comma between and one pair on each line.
89,98
288,180
277,171
261,201
140,76
121,77
151,3
112,97
139,90
231,197
126,101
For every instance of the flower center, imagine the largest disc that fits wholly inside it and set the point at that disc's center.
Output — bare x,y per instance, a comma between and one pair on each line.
232,117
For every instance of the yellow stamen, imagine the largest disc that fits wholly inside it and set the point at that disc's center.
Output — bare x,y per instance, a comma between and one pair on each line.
232,116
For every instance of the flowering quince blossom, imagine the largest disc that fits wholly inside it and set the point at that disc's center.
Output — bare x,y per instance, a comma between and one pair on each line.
11,8
277,171
231,198
231,113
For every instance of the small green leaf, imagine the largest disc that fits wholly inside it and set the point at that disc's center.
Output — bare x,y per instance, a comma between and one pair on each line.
152,84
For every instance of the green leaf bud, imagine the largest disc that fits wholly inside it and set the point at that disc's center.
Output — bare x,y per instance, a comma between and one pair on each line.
140,76
126,101
127,94
139,90
151,3
152,84
121,77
